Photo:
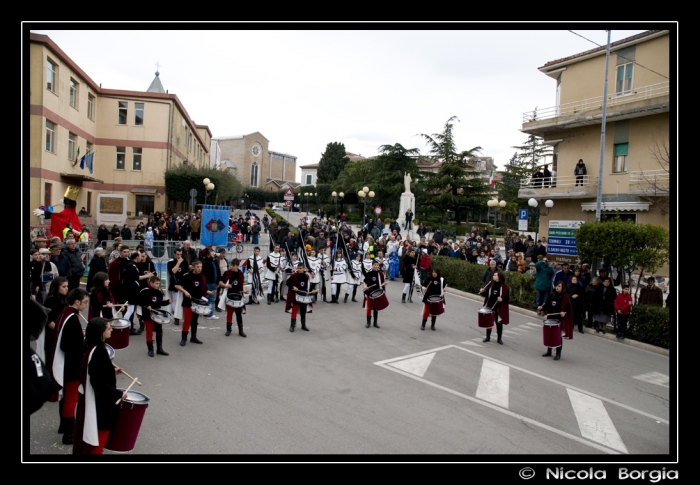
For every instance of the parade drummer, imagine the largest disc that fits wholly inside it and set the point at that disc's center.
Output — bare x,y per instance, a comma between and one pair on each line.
192,285
300,284
324,269
256,266
433,285
176,268
355,276
338,275
97,409
67,354
151,298
233,284
374,280
558,307
272,274
496,297
101,300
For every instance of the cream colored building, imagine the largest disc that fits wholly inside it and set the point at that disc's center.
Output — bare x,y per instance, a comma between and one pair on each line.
250,160
634,184
134,136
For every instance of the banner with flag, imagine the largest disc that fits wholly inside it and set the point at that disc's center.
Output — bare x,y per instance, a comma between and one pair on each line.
88,160
77,158
491,182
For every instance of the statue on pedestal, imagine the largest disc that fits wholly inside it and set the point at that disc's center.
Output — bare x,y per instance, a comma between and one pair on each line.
407,182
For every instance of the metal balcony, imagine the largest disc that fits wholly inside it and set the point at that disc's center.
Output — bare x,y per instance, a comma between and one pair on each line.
649,182
559,187
592,104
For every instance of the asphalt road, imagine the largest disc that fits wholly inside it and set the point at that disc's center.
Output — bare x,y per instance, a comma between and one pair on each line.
342,389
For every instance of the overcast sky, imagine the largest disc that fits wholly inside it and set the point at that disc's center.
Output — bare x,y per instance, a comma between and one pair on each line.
365,88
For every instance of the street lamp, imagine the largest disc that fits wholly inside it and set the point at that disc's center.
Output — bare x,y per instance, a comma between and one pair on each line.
208,187
365,194
495,204
536,212
336,196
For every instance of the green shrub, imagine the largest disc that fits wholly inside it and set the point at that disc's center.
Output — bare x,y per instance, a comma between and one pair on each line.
650,324
465,276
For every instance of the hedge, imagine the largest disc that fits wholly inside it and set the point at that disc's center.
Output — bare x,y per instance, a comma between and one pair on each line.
465,276
650,324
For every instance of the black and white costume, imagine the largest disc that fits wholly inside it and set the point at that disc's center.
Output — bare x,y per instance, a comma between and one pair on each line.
338,278
272,275
354,278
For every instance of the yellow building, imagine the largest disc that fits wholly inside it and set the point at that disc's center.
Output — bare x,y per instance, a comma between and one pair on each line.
134,137
635,181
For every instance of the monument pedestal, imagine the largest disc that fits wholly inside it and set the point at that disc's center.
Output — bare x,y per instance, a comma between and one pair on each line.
408,200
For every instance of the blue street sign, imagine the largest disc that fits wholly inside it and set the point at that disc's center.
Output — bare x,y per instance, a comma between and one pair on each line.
522,214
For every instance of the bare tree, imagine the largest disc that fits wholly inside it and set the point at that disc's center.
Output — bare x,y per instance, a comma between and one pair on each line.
655,183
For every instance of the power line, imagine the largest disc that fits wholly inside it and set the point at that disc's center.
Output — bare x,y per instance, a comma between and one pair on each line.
619,55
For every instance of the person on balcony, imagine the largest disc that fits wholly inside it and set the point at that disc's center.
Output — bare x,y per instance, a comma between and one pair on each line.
580,172
537,178
547,177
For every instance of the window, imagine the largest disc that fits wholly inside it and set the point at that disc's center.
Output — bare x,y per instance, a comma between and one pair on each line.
121,156
88,206
620,158
308,179
138,115
254,175
50,136
72,139
186,137
91,107
623,83
73,93
123,106
50,76
88,147
136,160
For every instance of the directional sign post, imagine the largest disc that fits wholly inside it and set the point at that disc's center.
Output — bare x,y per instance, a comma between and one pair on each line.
561,243
522,219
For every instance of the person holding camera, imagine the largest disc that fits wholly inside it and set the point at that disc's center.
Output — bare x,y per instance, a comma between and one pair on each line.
543,282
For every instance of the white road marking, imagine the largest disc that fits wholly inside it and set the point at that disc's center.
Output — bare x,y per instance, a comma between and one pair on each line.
513,330
467,342
494,383
538,325
523,327
478,339
416,365
594,421
654,378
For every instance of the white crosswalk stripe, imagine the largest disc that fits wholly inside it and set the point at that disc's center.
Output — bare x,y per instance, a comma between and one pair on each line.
654,378
494,383
594,421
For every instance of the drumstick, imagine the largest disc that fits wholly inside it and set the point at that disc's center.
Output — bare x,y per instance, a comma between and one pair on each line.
553,314
127,390
371,286
115,304
127,375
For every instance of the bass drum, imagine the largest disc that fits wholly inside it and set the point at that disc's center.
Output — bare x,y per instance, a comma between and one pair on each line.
130,416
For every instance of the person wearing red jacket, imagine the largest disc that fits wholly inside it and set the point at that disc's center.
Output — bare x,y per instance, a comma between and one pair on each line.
623,306
424,264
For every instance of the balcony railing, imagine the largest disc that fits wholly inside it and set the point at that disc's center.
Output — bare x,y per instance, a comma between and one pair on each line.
566,182
649,182
614,99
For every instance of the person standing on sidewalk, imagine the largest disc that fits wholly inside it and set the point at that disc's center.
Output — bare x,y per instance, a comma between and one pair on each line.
623,307
543,282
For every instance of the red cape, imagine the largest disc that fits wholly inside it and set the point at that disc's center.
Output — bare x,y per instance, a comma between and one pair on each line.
59,219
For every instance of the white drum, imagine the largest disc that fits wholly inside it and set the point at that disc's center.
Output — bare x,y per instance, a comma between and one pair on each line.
306,299
200,306
235,300
161,316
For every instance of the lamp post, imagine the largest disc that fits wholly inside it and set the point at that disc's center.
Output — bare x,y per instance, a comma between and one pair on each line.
365,195
208,187
336,196
306,194
536,212
495,204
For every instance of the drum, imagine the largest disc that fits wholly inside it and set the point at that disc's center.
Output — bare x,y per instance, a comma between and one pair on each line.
436,304
486,317
161,316
200,306
551,333
379,299
110,351
129,417
121,327
305,299
235,300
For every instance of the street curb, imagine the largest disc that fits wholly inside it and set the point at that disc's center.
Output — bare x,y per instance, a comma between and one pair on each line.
530,313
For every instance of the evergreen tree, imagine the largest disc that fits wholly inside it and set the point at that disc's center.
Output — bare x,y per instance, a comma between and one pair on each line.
533,150
332,162
456,186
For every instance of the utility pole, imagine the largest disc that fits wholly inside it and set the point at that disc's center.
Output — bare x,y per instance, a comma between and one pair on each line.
602,133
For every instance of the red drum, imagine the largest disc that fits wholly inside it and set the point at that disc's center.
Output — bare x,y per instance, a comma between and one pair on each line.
436,305
129,418
121,328
551,333
486,317
379,299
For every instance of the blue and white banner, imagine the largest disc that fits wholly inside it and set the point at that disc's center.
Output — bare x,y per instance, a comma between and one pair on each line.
215,224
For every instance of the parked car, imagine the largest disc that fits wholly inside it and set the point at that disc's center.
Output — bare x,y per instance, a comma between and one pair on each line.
277,208
253,207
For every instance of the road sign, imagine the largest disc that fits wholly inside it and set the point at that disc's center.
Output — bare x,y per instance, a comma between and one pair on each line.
193,202
561,243
522,219
377,210
288,204
193,193
289,195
